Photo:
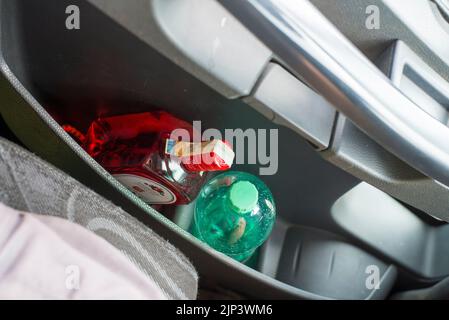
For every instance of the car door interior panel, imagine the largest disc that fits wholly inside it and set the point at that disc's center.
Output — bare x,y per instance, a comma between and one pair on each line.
362,176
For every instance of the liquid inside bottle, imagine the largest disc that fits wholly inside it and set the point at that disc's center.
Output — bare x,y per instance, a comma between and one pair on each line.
134,149
234,214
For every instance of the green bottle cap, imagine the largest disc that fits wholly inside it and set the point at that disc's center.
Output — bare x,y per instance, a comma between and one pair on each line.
243,196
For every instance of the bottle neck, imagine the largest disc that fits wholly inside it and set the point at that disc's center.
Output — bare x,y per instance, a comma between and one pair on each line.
214,155
243,197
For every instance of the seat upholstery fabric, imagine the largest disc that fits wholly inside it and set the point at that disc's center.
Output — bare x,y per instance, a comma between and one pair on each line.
28,183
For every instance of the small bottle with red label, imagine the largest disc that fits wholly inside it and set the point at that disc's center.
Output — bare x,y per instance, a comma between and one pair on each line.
140,151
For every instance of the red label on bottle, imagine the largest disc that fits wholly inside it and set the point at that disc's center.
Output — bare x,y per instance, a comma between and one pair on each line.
214,155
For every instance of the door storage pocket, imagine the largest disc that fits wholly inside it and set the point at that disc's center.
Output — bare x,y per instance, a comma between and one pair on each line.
53,76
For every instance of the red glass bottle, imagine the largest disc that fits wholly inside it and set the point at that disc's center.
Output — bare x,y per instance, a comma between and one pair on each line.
138,150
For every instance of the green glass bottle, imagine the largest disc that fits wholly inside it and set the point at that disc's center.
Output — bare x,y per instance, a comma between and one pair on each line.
234,214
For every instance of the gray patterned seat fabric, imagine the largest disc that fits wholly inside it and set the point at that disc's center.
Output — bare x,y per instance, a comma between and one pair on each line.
27,183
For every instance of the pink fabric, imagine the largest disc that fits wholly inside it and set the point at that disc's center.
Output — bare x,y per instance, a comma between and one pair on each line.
43,257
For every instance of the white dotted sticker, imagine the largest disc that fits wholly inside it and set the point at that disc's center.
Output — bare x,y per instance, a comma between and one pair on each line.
148,190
